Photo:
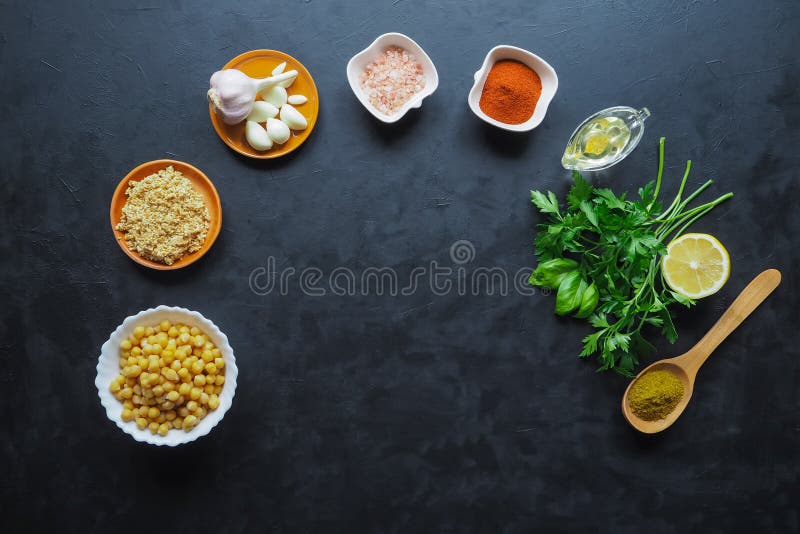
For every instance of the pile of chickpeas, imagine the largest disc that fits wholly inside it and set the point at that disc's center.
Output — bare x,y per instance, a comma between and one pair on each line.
171,377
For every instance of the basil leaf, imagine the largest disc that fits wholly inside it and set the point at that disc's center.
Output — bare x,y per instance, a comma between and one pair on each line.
550,273
589,301
567,298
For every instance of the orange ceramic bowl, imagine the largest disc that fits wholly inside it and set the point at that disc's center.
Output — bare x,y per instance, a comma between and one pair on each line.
259,64
200,182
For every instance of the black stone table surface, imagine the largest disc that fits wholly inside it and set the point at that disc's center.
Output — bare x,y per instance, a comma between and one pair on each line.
441,409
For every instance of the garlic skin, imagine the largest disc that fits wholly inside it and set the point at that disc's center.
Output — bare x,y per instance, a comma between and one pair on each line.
232,92
297,100
257,136
278,131
262,111
293,118
275,95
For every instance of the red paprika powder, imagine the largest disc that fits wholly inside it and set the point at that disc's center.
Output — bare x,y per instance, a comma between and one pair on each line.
511,92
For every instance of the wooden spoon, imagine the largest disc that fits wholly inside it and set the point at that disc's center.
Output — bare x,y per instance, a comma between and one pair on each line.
685,366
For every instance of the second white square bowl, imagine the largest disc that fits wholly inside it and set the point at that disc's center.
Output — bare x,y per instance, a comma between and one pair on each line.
546,73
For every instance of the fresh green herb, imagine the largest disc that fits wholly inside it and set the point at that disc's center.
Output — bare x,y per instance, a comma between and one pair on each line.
601,253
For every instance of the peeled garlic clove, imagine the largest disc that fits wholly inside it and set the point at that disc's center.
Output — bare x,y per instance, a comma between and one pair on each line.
280,68
262,111
288,82
286,78
293,118
278,131
257,136
275,95
296,100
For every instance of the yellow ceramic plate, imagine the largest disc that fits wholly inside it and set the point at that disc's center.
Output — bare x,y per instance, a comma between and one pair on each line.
200,182
259,64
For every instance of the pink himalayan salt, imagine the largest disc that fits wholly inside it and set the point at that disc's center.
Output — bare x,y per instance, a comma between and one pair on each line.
392,79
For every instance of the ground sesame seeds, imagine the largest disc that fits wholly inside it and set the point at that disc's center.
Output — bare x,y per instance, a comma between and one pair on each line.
392,79
164,218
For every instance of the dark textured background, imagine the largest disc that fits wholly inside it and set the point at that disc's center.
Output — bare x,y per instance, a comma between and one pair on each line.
380,413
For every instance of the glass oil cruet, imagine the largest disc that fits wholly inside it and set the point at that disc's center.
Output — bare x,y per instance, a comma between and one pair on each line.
605,138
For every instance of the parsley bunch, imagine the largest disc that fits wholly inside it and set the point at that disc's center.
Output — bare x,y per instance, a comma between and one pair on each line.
601,253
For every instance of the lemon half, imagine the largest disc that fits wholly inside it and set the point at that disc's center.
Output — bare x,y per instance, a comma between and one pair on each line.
696,265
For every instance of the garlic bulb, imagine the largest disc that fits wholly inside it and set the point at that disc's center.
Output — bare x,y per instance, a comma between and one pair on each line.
232,92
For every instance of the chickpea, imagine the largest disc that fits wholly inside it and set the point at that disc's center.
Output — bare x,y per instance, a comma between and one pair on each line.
189,421
171,376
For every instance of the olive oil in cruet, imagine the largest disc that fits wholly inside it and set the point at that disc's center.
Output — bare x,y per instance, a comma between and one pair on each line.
604,139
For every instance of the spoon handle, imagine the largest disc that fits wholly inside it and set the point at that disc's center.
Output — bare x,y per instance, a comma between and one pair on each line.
747,301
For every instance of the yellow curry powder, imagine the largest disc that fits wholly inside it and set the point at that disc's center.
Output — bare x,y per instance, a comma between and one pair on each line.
655,394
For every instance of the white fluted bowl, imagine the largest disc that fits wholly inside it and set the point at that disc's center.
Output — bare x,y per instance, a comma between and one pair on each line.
108,369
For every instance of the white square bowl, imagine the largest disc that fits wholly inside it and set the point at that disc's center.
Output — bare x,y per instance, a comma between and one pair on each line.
546,73
108,369
359,62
